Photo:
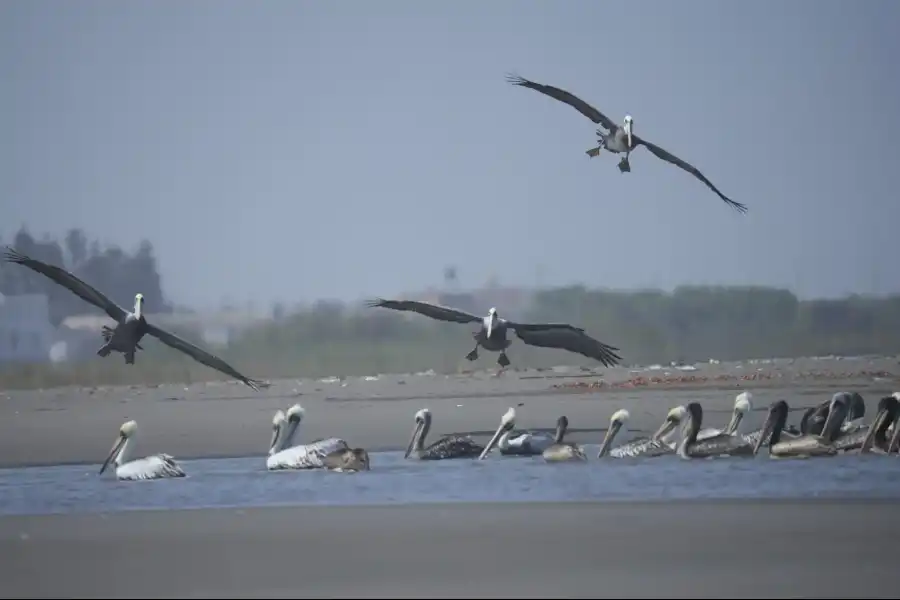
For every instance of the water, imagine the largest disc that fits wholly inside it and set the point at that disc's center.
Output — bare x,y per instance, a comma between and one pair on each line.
244,482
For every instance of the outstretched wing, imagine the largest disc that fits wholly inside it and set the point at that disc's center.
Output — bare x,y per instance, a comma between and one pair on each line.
201,356
671,158
573,340
86,292
542,326
563,96
441,313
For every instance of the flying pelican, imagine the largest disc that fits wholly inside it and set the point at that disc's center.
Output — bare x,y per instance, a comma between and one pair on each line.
876,436
283,454
157,466
524,444
618,139
130,326
562,451
718,445
348,460
492,333
806,445
449,446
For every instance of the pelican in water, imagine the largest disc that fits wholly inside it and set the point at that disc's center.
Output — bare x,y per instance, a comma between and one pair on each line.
157,466
679,413
562,451
619,139
644,446
814,420
806,445
524,444
493,331
717,445
449,446
130,326
348,460
283,454
877,438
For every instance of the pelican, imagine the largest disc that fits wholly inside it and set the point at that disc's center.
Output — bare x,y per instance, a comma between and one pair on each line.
157,466
283,454
806,445
449,446
646,447
876,436
524,444
562,451
677,414
130,326
492,334
619,139
717,445
616,422
348,460
815,418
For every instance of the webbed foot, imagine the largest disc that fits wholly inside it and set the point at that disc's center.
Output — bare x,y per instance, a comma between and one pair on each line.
503,361
473,355
624,166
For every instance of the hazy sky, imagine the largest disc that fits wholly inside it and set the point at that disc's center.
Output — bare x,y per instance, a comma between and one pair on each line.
297,149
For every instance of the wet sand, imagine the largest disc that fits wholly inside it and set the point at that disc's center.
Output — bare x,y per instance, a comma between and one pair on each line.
673,550
225,419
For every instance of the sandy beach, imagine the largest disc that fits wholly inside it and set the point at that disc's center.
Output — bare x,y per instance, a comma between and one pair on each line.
225,419
634,550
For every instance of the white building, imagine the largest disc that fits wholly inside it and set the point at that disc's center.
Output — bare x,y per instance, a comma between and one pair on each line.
25,331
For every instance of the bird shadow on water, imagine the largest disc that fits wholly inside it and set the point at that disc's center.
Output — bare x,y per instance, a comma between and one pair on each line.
245,482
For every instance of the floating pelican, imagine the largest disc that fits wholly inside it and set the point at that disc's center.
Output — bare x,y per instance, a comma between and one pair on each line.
805,445
678,413
618,139
283,454
876,436
856,410
524,444
157,466
449,446
492,333
348,460
646,447
616,422
562,451
130,326
717,445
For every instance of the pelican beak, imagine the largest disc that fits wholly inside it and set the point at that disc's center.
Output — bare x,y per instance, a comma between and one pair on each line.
490,326
664,429
500,430
736,417
894,445
834,421
628,132
766,433
113,452
412,440
874,428
275,431
611,433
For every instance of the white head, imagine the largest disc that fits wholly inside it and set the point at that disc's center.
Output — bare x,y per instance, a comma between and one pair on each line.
420,429
138,305
491,320
507,422
742,402
896,395
295,413
628,127
616,422
673,418
126,431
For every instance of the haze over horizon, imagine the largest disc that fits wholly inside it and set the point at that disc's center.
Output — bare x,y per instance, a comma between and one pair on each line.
289,151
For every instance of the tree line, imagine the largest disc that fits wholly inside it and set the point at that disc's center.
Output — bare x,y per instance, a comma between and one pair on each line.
112,270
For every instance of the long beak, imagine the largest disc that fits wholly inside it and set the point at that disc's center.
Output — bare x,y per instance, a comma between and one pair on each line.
490,327
490,444
412,439
765,434
833,423
736,418
608,438
275,431
664,429
628,133
894,445
113,452
876,425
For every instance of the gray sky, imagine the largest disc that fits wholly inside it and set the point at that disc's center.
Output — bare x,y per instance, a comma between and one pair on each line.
295,150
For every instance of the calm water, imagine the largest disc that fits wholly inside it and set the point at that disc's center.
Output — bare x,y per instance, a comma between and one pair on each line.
245,482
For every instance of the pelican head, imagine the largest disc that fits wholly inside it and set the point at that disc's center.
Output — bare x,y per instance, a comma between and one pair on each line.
562,425
277,423
775,422
420,429
857,407
838,411
741,407
126,431
629,125
507,422
673,418
618,419
138,305
295,414
491,321
887,412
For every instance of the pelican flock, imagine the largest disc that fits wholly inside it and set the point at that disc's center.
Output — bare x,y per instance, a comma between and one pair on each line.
157,466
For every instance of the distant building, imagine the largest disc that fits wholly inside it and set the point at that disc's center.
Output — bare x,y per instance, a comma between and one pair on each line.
26,334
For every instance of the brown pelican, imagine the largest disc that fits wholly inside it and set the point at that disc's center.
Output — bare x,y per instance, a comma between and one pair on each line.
492,334
876,436
524,444
347,460
805,445
283,454
618,139
717,445
562,451
814,422
449,446
616,422
157,466
130,326
677,414
646,447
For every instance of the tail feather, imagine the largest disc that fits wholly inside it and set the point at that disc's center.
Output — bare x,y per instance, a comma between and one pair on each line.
594,152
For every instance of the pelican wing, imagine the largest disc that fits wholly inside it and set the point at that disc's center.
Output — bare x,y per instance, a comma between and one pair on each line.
563,96
671,158
572,340
200,355
441,313
542,326
86,292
